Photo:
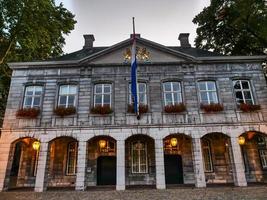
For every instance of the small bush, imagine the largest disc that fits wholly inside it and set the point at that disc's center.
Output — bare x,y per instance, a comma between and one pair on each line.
30,113
249,108
102,110
213,107
176,108
142,108
63,111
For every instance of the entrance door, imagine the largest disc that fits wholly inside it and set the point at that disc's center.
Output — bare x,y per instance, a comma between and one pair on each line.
173,169
106,170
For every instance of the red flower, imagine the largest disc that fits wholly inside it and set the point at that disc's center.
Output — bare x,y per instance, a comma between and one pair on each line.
248,107
30,113
176,108
213,107
63,111
142,108
102,110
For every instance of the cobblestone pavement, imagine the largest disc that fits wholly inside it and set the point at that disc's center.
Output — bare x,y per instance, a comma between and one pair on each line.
219,193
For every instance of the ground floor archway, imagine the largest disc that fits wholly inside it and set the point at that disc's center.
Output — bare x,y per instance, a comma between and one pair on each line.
178,163
140,160
254,151
62,162
217,158
23,162
101,161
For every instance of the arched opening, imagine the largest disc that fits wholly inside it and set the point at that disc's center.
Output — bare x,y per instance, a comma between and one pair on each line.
140,161
62,162
254,151
23,163
101,161
217,158
178,160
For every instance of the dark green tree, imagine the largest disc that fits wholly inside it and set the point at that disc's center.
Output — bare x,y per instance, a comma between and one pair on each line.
30,30
233,27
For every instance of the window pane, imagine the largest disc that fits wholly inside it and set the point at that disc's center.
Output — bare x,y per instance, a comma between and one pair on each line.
213,97
177,98
28,101
38,90
62,100
202,85
249,101
71,101
168,97
203,96
142,98
142,87
106,99
247,95
107,89
63,90
167,87
98,88
237,85
239,96
29,92
36,101
211,86
73,90
98,99
176,86
245,85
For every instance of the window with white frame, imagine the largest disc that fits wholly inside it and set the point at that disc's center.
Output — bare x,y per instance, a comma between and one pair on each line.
172,93
263,157
243,92
102,94
207,92
72,158
139,157
208,167
32,97
141,95
67,95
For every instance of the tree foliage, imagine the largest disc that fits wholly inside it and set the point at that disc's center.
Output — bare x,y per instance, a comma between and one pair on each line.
233,27
30,30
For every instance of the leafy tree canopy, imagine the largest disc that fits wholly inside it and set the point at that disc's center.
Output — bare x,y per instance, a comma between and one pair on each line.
233,27
30,30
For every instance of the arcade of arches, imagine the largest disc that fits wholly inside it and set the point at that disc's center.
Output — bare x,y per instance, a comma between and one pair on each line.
178,159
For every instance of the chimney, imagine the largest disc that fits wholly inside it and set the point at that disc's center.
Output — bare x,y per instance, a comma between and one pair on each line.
184,41
137,35
88,41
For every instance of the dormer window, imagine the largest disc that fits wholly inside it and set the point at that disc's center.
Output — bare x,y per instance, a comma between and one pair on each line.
32,97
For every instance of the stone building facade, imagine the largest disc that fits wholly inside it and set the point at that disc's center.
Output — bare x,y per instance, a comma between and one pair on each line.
203,119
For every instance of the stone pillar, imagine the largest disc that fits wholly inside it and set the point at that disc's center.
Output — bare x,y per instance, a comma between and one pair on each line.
5,164
41,176
198,163
120,180
81,166
159,157
238,165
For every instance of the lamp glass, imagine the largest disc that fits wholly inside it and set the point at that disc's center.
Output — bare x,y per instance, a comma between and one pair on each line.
102,143
36,145
174,142
241,140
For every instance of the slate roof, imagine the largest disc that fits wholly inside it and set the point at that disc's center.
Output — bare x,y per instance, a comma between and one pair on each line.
77,55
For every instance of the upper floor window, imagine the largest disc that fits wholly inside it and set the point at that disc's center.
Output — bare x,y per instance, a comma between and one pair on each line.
207,92
172,93
32,97
67,95
139,157
243,92
102,94
141,95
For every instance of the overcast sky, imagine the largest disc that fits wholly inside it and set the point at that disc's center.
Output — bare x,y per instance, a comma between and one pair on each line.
111,20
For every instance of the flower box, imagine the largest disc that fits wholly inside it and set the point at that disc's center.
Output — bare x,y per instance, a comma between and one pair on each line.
249,108
176,108
213,107
102,110
64,111
142,108
30,113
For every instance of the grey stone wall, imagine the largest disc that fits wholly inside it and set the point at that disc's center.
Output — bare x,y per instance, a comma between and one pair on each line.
119,76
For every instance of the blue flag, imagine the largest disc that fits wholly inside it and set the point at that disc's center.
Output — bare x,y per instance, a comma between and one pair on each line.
134,86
